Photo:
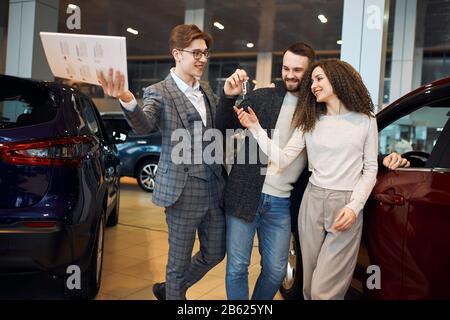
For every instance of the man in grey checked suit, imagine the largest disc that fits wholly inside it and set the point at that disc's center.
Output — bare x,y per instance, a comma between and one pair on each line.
191,191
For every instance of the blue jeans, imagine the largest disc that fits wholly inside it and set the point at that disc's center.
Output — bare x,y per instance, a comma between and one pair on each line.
273,226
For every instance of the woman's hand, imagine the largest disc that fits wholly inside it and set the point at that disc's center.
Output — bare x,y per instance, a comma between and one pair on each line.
394,161
115,86
345,219
247,119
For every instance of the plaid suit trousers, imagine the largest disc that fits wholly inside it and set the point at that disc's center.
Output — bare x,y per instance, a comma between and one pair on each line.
199,209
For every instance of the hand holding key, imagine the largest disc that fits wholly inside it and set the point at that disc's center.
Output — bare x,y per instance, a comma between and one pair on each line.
233,84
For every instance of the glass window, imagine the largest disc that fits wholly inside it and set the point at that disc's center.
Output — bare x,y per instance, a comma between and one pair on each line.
221,68
116,124
24,104
432,40
89,124
418,131
90,118
249,28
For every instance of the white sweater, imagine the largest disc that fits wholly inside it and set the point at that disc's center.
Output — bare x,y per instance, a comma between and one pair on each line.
342,154
280,183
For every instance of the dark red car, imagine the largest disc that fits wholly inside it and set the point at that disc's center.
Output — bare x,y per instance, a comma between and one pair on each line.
405,249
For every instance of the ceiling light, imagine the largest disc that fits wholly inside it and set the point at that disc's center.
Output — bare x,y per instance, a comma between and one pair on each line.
132,31
339,42
72,6
218,25
250,45
322,18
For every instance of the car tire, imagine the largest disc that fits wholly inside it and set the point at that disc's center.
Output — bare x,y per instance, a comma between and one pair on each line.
292,286
146,174
113,218
91,277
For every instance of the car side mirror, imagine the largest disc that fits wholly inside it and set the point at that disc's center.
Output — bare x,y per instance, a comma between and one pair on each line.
119,136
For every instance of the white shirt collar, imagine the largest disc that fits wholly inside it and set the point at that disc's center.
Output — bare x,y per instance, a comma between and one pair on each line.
183,86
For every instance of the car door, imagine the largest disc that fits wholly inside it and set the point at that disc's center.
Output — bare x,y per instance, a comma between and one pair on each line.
426,261
408,213
110,161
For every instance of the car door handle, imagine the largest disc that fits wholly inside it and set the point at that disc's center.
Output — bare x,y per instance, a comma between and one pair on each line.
391,199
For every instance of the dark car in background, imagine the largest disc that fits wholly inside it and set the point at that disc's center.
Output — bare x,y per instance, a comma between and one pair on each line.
59,183
139,155
405,243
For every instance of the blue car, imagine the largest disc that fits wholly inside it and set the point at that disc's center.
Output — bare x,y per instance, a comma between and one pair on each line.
59,183
139,155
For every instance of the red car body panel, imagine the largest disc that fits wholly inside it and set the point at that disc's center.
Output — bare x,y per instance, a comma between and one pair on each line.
409,242
407,218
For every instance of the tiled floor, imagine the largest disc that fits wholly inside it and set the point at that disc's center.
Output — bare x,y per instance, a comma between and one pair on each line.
136,253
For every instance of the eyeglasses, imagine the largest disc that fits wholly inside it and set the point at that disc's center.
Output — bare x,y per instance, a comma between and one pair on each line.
197,53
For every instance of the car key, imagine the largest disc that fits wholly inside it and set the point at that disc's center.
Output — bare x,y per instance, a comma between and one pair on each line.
245,89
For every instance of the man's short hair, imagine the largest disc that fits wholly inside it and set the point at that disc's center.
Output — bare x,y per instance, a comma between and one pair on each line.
302,49
182,35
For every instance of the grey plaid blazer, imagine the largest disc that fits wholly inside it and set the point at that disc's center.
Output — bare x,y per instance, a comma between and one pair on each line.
166,108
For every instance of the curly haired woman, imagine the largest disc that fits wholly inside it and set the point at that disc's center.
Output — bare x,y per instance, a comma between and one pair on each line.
335,123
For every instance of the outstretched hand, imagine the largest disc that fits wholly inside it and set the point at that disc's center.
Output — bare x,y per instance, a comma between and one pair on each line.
247,119
114,85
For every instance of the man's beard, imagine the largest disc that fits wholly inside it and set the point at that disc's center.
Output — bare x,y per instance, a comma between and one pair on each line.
291,89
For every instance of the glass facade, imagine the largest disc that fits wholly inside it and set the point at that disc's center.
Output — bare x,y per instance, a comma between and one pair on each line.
241,30
271,27
433,38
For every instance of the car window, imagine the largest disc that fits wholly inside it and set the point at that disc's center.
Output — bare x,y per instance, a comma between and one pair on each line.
23,104
115,124
91,119
90,122
416,132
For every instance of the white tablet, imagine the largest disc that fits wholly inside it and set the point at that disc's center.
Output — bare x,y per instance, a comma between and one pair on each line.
78,56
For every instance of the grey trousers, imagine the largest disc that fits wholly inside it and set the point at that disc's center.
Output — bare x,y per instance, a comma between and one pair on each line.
198,210
329,256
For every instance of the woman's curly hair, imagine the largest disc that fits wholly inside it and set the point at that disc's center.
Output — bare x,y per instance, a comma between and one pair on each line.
347,85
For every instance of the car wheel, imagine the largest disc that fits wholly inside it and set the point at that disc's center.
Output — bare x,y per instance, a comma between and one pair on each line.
146,175
292,286
90,278
113,218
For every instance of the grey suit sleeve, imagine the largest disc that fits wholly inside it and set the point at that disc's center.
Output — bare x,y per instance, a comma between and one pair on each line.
146,119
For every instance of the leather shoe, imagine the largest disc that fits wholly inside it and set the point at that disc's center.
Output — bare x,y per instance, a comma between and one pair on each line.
159,290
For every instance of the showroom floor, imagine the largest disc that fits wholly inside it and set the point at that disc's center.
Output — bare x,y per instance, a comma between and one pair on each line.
136,253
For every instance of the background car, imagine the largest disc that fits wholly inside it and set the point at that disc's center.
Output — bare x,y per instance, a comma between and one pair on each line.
139,155
407,217
59,182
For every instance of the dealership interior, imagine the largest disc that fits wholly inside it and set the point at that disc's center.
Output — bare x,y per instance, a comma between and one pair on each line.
408,47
